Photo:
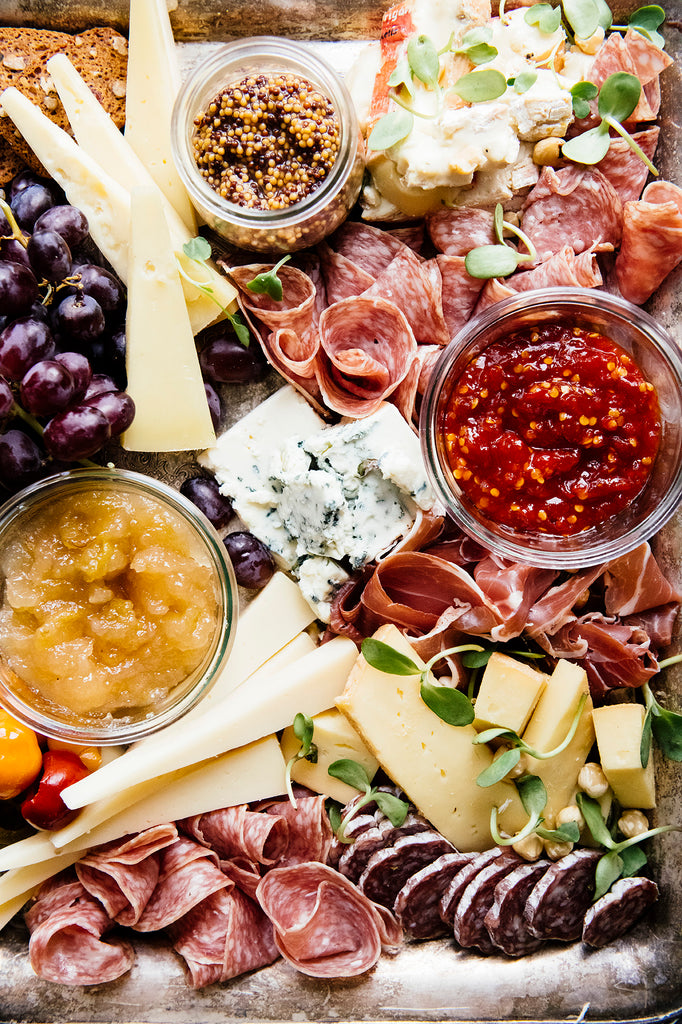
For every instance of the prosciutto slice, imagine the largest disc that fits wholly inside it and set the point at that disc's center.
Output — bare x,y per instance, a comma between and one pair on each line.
652,241
66,937
239,832
324,926
573,206
634,583
188,874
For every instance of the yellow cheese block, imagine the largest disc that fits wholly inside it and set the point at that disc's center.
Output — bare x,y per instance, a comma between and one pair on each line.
335,738
619,735
509,691
549,726
436,764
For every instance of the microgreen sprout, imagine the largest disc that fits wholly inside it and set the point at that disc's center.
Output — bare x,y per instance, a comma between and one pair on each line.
391,128
401,77
499,260
268,283
480,86
646,20
544,16
423,59
476,45
618,97
451,705
502,765
523,82
353,774
199,250
619,861
664,725
534,799
303,730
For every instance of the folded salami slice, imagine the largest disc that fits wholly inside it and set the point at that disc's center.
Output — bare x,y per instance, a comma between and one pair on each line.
460,292
342,276
449,901
188,874
324,926
476,900
558,903
415,287
616,912
624,168
416,905
244,873
504,920
652,241
454,232
65,944
309,832
239,832
225,935
371,249
387,870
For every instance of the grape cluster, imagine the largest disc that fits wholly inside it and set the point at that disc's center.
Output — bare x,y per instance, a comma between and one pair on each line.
62,336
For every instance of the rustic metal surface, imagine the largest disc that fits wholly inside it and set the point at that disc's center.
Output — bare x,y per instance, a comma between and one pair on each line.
637,979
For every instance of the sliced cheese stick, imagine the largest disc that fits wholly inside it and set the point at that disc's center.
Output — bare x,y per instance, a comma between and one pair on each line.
309,686
18,885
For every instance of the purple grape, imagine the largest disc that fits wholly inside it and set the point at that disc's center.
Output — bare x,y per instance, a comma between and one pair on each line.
205,494
67,221
79,368
225,360
117,406
108,356
38,311
252,562
99,384
76,433
80,317
6,400
18,289
31,203
47,388
12,251
49,255
24,342
102,286
214,404
21,181
20,459
5,229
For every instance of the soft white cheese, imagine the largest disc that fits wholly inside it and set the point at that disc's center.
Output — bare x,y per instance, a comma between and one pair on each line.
319,579
514,38
543,110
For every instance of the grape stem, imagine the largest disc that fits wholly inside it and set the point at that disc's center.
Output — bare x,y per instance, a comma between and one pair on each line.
11,220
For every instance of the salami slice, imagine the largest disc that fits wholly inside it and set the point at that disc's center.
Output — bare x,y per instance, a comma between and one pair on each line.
623,167
455,890
558,903
244,873
309,831
342,276
454,232
475,902
324,926
415,287
652,241
387,870
371,249
354,859
618,911
188,874
239,832
460,292
504,920
416,905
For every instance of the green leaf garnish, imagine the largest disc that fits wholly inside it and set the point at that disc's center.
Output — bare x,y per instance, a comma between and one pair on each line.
605,14
590,147
546,17
393,807
487,261
609,870
567,833
451,705
665,725
591,812
402,77
619,95
350,772
500,767
647,20
476,45
533,794
353,774
422,56
303,728
523,82
385,658
582,93
268,283
390,129
197,249
645,742
634,858
480,86
583,16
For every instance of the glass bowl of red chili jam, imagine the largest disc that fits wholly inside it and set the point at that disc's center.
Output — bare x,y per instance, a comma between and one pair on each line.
552,427
267,143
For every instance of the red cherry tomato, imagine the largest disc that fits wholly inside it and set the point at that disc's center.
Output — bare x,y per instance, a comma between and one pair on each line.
44,807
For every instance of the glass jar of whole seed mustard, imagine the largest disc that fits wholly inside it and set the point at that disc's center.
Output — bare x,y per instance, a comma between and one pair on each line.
267,143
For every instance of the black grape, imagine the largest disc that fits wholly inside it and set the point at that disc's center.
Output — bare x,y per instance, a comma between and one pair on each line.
117,406
6,400
77,433
79,368
102,286
18,289
47,388
80,317
12,251
99,384
252,562
22,343
214,404
205,494
21,181
31,203
67,221
50,256
225,360
20,459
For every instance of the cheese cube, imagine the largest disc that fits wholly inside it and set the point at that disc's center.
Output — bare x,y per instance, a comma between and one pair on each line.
549,726
509,691
619,734
335,738
436,764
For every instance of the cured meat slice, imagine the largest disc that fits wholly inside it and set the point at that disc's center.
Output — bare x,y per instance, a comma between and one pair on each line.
342,276
450,899
244,873
635,55
652,241
558,903
475,902
371,249
239,832
460,292
188,874
387,870
61,890
634,583
225,935
411,235
624,169
354,859
416,905
309,831
562,269
324,926
295,311
573,206
415,287
618,911
455,232
66,947
122,874
504,920
513,589
366,350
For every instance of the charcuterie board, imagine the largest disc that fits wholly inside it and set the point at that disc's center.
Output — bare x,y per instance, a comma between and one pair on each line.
637,978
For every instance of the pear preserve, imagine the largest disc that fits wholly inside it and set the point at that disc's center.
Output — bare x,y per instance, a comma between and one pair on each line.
553,430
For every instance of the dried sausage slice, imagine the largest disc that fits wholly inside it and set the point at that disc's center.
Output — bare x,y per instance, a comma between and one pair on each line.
558,903
504,921
387,870
475,902
455,890
416,905
616,912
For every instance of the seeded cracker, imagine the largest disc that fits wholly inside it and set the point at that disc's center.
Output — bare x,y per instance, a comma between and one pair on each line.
99,54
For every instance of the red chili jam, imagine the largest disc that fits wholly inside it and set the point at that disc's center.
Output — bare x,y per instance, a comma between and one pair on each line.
552,430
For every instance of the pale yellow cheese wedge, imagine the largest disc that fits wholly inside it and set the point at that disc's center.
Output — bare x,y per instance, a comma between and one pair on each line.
619,736
509,691
335,739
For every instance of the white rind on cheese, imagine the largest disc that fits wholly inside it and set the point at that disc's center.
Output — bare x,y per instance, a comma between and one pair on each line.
153,83
164,376
251,712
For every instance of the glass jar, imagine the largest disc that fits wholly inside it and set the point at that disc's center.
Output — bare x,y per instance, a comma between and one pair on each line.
305,222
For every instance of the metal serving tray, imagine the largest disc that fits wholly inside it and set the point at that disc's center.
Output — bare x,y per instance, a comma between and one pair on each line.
636,979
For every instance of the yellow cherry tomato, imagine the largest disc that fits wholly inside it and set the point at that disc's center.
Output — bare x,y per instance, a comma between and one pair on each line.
20,756
90,756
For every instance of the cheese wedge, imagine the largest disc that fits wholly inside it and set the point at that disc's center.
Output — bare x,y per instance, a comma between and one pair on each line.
619,738
334,738
509,691
164,376
153,83
18,885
